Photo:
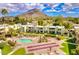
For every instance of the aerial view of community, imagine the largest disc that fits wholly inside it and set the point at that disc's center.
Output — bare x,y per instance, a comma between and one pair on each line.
39,28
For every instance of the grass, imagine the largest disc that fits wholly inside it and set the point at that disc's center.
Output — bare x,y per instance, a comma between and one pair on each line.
39,34
20,51
72,47
68,47
50,35
7,49
65,48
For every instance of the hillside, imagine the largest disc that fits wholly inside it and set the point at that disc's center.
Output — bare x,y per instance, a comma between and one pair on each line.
33,13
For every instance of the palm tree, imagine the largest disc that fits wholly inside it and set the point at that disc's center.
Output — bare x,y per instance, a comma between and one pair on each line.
4,12
12,32
2,37
11,43
40,22
59,20
42,39
68,25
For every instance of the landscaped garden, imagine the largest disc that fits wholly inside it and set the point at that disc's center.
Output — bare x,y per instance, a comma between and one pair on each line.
65,48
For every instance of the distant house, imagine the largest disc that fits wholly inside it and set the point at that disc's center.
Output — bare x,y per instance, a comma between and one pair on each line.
33,28
42,29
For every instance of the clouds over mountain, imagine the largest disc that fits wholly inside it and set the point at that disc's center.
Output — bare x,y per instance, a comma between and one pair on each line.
66,9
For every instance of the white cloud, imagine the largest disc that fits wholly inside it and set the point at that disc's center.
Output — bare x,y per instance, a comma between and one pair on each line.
54,5
9,4
50,10
70,12
69,4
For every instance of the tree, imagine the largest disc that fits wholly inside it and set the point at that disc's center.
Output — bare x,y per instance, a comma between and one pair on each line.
49,22
2,37
19,19
40,22
12,32
70,19
16,19
30,20
42,39
11,43
59,20
2,44
68,25
4,12
77,49
76,20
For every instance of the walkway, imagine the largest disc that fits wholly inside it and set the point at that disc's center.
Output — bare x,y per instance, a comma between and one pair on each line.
40,46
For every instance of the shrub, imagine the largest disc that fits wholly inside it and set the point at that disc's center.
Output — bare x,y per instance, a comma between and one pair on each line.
2,37
2,45
50,35
60,37
11,43
7,49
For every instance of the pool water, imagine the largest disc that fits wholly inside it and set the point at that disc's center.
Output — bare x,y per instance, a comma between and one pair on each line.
24,40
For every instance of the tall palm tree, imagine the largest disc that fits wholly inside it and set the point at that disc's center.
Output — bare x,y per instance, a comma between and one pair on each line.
4,12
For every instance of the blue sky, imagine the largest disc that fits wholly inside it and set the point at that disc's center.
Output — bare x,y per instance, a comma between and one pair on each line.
51,9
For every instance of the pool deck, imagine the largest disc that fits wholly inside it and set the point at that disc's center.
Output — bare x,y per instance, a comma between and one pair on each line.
35,39
55,51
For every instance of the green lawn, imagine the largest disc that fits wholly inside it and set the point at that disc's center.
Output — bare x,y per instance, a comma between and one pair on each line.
20,51
69,48
65,48
38,34
7,49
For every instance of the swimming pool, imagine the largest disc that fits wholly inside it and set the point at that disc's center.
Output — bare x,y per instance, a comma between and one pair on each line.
24,40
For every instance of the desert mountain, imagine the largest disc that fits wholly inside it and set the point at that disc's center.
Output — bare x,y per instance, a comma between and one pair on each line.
33,13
